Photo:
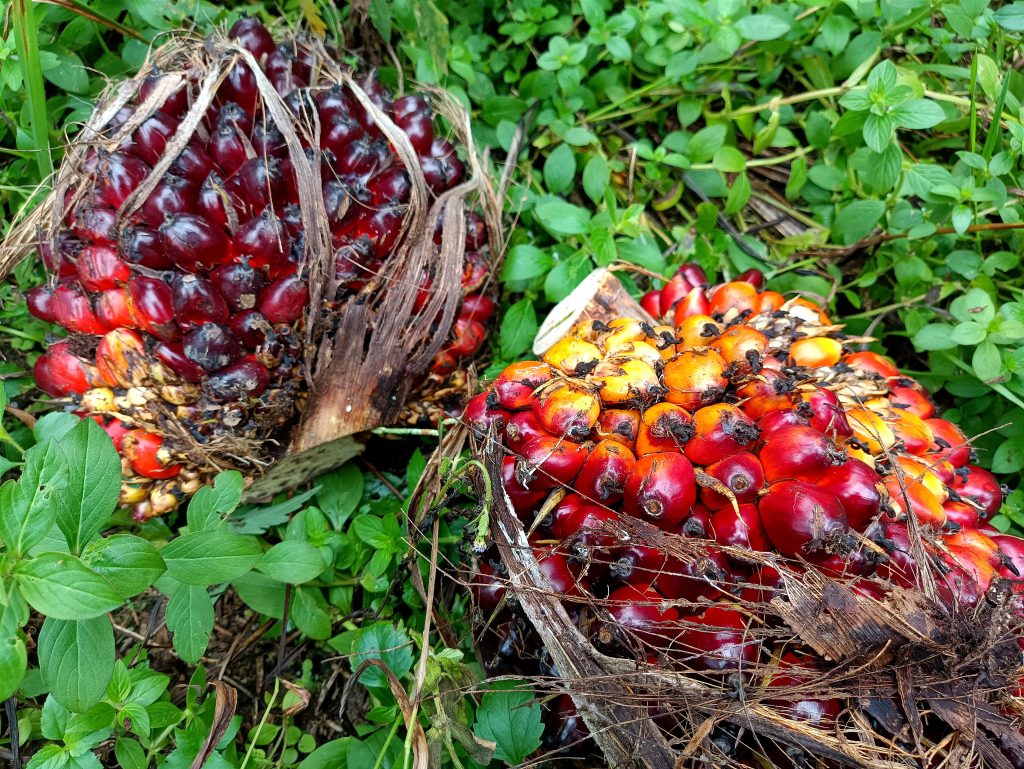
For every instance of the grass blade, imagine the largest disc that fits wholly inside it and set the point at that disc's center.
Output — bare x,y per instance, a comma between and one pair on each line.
27,42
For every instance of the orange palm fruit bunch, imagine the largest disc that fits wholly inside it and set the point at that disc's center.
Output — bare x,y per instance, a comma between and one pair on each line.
749,420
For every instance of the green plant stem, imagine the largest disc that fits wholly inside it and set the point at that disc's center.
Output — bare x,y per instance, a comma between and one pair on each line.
27,41
262,723
21,334
385,746
759,162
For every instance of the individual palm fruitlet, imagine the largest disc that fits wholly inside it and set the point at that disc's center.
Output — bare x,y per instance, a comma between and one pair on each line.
207,238
762,446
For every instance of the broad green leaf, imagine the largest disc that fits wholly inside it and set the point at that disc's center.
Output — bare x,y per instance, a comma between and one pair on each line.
387,643
308,612
30,504
524,262
857,219
512,720
705,143
1010,17
130,563
1009,456
93,483
59,585
934,336
917,113
969,333
762,26
129,754
596,177
292,561
518,327
77,660
210,557
261,593
987,362
340,493
211,504
559,169
330,755
190,620
878,132
13,661
562,218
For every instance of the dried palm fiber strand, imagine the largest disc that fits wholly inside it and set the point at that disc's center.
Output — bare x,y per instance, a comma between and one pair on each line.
256,255
731,540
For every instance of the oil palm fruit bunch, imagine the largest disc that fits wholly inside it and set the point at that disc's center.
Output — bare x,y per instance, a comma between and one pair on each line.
745,421
183,260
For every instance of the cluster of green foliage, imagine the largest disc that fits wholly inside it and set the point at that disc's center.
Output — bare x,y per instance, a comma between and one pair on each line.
888,136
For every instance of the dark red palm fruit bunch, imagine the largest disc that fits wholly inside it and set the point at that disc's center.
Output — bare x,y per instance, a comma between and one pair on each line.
185,312
747,422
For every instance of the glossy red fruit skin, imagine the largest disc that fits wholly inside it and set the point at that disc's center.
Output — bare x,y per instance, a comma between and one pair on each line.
196,300
913,398
252,36
799,453
142,450
150,139
121,174
552,462
73,310
152,306
116,429
661,489
796,670
964,515
468,336
245,378
41,303
741,473
173,195
251,328
638,617
981,487
479,416
227,149
951,443
753,276
477,307
171,355
856,486
694,274
731,433
716,640
743,529
100,268
118,353
59,372
95,225
562,578
514,387
776,420
829,416
651,301
487,588
705,576
800,518
519,427
603,475
264,241
584,526
524,501
673,291
1012,549
637,564
141,245
194,243
419,128
193,164
239,283
211,346
285,299
113,308
694,303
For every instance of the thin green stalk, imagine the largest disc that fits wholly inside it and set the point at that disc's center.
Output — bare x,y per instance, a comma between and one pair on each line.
386,745
27,41
973,135
262,723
